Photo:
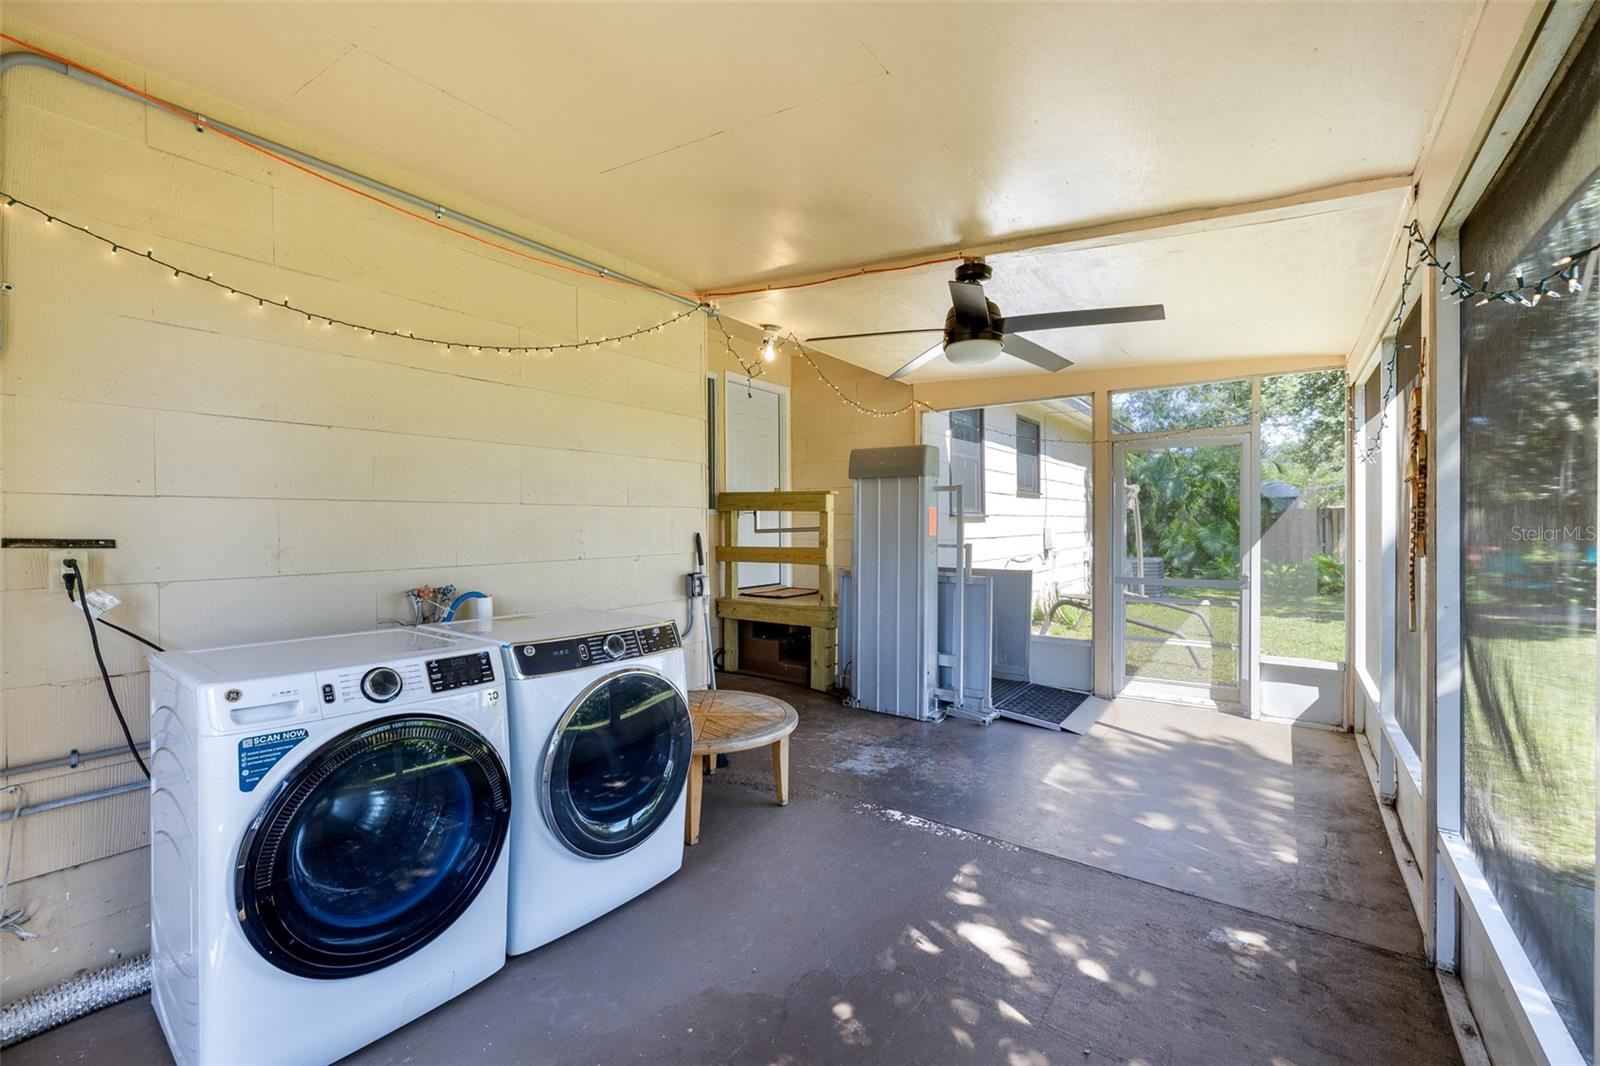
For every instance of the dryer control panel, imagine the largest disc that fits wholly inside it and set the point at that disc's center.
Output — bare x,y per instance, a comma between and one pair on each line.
538,658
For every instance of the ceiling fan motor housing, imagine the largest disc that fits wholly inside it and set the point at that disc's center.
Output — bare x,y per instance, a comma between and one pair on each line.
970,343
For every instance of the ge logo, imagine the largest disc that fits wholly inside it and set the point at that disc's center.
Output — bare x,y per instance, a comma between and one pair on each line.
233,695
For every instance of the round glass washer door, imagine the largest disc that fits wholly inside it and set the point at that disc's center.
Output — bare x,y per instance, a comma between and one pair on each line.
373,846
617,763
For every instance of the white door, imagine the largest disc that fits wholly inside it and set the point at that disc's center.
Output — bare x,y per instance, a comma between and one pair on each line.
756,463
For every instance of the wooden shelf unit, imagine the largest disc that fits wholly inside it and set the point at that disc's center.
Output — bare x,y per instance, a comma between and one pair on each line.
818,612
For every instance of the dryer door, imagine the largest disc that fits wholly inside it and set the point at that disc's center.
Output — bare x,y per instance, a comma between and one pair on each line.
617,763
373,846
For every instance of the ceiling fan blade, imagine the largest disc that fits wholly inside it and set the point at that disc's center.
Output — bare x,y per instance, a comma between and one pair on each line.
879,333
970,302
1029,352
1095,316
920,361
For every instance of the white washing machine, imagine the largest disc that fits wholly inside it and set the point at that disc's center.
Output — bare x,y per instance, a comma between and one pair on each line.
328,821
601,745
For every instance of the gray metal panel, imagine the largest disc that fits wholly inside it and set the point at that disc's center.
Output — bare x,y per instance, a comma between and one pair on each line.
978,647
893,567
1013,620
910,461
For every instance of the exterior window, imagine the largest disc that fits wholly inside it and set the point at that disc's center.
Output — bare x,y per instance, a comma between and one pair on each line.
966,459
1027,457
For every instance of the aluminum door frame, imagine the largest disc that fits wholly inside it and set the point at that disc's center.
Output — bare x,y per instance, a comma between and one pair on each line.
1246,438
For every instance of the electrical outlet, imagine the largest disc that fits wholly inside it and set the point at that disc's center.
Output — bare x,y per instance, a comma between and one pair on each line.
57,570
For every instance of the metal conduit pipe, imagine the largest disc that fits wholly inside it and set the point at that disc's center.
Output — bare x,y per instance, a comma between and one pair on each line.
74,998
73,801
16,59
72,759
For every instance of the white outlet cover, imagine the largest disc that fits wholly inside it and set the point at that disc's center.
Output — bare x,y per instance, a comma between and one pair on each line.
87,564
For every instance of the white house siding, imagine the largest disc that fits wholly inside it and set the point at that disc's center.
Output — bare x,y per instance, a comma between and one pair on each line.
1048,534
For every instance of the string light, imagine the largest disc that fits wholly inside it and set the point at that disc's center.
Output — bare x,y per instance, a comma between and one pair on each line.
851,401
328,321
435,219
1460,288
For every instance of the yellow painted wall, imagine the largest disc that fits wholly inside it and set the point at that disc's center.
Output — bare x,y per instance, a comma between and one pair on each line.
265,477
826,431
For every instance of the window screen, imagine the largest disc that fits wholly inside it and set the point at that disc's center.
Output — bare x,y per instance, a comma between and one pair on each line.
1528,510
1027,457
1371,475
966,459
1303,516
1204,406
1408,635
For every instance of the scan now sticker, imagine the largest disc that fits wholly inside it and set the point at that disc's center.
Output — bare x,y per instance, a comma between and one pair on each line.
259,754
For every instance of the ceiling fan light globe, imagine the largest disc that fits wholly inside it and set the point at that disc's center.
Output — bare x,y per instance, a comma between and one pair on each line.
972,351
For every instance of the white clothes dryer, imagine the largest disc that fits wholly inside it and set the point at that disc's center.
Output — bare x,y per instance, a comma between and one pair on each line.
328,820
601,746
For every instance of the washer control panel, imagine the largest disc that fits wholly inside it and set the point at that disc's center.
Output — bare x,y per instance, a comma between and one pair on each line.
459,671
538,658
371,685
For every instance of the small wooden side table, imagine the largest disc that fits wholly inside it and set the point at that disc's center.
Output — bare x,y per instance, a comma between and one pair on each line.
726,720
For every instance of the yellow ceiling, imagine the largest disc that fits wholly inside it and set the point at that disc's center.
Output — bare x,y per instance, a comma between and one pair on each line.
721,144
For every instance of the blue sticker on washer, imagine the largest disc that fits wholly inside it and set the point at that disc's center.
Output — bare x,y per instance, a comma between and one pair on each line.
259,754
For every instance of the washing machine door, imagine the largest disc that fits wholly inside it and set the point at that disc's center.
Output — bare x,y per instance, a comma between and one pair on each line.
373,846
617,763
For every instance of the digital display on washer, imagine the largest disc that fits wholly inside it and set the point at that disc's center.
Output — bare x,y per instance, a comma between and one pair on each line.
460,671
658,638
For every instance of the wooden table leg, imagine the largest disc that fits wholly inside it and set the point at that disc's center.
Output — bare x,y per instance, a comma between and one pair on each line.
691,814
711,763
780,770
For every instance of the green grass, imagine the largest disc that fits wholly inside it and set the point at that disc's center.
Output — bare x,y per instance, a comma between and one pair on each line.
1537,775
1308,628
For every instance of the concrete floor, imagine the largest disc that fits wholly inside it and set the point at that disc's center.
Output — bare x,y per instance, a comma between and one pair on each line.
1174,887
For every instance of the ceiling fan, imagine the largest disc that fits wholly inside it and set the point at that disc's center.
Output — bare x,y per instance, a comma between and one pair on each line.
975,332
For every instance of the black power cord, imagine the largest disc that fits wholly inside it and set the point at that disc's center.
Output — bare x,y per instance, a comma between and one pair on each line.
152,645
105,675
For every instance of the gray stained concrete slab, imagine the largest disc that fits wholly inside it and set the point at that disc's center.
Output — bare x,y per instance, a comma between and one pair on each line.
948,894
